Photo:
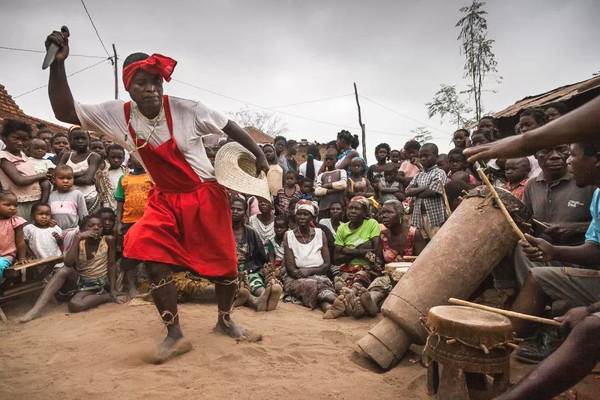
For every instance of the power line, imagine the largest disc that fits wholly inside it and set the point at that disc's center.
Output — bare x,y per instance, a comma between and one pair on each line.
43,52
310,101
401,114
74,73
95,29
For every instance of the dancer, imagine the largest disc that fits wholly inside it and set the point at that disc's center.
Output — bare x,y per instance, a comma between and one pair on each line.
187,222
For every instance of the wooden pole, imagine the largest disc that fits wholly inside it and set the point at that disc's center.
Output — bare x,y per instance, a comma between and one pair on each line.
362,126
493,192
511,314
115,65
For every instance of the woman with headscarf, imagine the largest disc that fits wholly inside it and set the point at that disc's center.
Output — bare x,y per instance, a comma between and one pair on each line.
307,260
355,245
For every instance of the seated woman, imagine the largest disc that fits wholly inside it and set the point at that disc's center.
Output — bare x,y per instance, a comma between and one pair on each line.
355,244
397,240
92,256
307,261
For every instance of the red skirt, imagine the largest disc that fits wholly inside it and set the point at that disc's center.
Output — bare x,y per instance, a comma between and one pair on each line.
191,230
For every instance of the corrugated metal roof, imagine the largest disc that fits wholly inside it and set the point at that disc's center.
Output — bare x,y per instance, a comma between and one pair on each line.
559,94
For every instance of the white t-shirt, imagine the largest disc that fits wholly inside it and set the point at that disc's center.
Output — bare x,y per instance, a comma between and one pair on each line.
191,121
302,167
42,242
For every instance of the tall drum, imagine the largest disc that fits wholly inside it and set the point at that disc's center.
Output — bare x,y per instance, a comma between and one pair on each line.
457,260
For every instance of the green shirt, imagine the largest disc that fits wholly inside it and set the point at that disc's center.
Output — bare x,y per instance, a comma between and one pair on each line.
353,238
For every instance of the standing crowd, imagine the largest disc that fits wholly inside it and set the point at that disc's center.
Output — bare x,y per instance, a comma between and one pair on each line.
323,240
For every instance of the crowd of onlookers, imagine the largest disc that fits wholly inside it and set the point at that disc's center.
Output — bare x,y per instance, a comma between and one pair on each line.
323,240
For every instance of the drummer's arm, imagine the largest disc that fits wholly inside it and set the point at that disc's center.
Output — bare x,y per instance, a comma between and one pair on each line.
586,255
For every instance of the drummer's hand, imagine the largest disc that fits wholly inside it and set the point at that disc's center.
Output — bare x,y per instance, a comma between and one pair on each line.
62,41
537,249
573,317
510,147
262,165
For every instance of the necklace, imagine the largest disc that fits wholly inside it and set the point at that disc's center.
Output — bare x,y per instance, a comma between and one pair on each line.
304,239
154,121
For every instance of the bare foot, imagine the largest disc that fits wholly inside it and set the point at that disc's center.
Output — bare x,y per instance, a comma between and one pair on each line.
242,297
133,293
367,302
276,291
263,299
170,347
30,316
337,310
226,326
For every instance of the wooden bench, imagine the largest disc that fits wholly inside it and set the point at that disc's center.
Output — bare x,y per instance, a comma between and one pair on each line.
13,285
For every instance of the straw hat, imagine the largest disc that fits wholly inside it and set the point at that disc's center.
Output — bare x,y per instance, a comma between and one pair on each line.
235,168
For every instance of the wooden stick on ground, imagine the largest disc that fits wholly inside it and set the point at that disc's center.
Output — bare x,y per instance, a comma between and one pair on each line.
493,192
35,263
506,313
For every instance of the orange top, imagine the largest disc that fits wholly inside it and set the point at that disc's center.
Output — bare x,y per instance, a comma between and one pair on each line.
133,192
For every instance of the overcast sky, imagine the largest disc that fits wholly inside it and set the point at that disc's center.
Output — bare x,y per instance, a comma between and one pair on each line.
278,52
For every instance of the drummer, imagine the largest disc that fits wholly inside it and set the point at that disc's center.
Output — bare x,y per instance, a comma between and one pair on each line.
581,350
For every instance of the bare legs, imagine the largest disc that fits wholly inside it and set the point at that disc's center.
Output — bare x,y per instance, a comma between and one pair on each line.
85,300
164,295
56,282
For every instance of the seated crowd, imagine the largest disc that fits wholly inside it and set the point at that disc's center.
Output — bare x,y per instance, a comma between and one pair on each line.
323,240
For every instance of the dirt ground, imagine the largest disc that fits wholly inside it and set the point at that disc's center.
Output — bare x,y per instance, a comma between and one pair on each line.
99,355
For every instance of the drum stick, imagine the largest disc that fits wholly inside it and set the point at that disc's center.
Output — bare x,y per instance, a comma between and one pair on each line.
49,260
506,313
493,192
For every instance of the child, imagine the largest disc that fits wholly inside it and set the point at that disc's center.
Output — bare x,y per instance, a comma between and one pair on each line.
85,164
396,157
108,177
67,204
358,184
382,152
59,143
427,189
389,186
37,150
93,257
263,222
460,138
330,185
442,162
516,171
410,167
17,172
131,196
457,162
307,187
275,244
43,239
11,231
285,194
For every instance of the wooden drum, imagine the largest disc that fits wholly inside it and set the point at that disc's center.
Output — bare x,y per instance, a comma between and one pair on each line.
459,257
468,353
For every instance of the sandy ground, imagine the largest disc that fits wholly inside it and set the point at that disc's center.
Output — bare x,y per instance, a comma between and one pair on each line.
99,355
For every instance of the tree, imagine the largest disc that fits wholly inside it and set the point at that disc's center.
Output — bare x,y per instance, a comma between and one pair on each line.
477,49
447,102
264,121
422,134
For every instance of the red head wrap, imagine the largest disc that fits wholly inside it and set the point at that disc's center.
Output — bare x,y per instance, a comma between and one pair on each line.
155,64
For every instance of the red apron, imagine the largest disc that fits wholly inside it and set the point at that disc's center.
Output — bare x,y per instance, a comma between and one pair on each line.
187,221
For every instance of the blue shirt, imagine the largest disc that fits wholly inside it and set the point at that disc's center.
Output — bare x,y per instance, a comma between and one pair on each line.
593,232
